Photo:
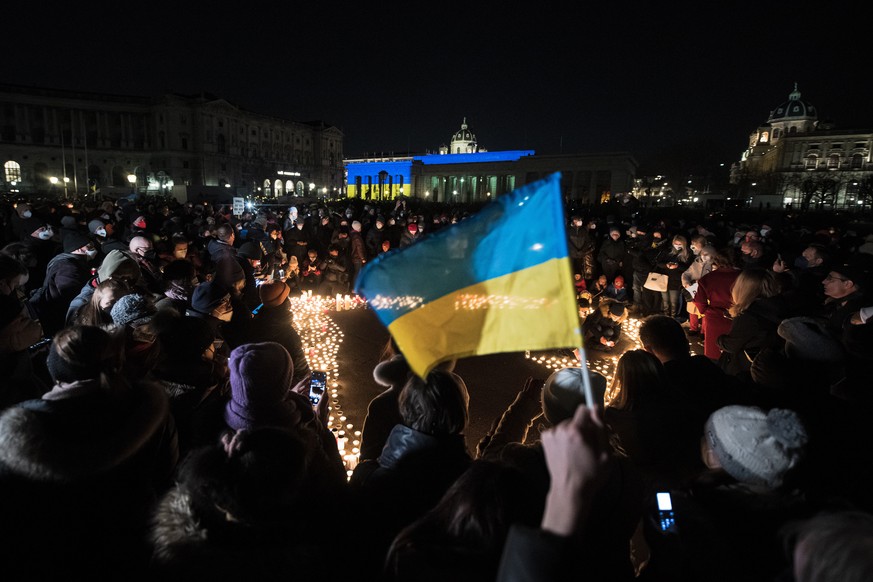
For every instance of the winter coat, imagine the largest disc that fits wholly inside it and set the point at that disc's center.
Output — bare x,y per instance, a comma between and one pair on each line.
712,300
65,276
275,324
674,276
752,331
79,470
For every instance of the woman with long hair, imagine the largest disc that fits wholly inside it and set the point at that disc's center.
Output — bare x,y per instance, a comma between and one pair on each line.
700,266
648,423
97,310
756,312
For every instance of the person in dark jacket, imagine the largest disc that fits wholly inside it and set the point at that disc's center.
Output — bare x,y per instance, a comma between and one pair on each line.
581,249
420,461
81,467
612,254
273,321
65,276
602,328
337,269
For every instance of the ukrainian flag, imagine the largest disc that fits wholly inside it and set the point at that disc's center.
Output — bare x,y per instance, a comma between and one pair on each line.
499,281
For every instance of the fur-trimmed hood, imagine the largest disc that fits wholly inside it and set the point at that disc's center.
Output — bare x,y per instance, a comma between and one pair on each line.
80,430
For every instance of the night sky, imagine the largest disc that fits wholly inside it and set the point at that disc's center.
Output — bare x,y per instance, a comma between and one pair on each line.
669,86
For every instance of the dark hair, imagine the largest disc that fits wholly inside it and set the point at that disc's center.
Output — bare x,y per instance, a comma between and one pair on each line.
637,373
224,232
664,334
437,406
474,515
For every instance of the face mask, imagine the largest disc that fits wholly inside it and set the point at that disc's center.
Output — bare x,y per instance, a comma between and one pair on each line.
180,254
764,231
677,247
92,253
27,214
696,251
140,224
46,234
226,316
101,232
801,262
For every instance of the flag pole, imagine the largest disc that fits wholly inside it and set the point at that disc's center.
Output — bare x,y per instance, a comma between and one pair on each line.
586,378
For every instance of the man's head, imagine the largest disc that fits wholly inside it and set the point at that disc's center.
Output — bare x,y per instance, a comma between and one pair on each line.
815,255
663,337
225,234
140,245
752,248
844,280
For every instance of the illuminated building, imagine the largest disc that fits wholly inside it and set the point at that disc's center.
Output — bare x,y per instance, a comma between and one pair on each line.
795,158
464,172
184,145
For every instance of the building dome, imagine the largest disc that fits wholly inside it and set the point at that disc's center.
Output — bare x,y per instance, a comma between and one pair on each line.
794,108
463,141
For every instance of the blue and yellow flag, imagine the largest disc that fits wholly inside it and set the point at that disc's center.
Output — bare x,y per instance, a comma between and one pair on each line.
499,281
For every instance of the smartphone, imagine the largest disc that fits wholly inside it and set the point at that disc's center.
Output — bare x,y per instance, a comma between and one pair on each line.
666,517
317,384
281,273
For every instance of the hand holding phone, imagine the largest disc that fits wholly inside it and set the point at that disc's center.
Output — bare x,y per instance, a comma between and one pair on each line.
317,384
666,517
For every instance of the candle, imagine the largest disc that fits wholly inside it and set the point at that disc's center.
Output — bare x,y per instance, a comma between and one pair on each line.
348,302
339,302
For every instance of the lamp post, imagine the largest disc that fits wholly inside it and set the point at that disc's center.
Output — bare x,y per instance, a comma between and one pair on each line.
311,189
54,182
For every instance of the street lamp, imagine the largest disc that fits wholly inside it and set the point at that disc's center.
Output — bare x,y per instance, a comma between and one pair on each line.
132,179
311,188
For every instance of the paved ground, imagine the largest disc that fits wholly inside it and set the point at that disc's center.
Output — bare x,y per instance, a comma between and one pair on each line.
492,380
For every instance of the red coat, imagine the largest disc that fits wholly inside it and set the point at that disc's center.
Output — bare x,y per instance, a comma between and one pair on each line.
713,299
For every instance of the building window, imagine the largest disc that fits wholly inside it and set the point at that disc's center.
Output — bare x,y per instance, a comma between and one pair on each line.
186,164
833,162
183,119
184,143
857,161
811,162
220,123
223,167
13,171
222,146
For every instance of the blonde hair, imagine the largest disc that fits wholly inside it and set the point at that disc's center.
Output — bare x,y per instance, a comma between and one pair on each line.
90,313
683,254
637,371
750,285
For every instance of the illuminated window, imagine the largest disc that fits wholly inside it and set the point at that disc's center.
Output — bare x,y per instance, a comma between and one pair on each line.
13,171
811,162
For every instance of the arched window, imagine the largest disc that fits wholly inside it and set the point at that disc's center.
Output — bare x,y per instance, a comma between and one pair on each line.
834,162
289,187
13,171
857,162
811,162
280,188
267,188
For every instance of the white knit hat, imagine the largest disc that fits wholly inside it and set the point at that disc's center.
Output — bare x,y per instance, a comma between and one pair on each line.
756,447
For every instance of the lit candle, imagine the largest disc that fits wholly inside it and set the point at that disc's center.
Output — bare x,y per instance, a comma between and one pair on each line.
348,302
339,302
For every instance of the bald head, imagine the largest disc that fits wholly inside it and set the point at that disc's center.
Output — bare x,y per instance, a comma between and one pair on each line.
140,245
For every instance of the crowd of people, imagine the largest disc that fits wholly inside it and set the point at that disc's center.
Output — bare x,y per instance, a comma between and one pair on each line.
156,421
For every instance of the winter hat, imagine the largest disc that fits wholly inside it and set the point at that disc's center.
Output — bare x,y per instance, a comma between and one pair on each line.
133,309
856,273
250,250
412,227
260,378
300,220
807,339
618,282
140,222
207,296
356,225
94,225
75,241
756,447
119,265
563,392
274,293
68,221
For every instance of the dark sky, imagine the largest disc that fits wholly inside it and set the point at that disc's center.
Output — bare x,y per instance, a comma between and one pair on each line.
662,84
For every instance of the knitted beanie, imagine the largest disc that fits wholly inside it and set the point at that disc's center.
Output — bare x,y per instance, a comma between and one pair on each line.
75,241
260,378
356,225
207,296
228,270
94,225
274,293
68,221
133,309
564,391
756,447
185,338
119,265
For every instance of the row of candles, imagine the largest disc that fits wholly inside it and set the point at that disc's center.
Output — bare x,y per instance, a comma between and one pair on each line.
322,338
